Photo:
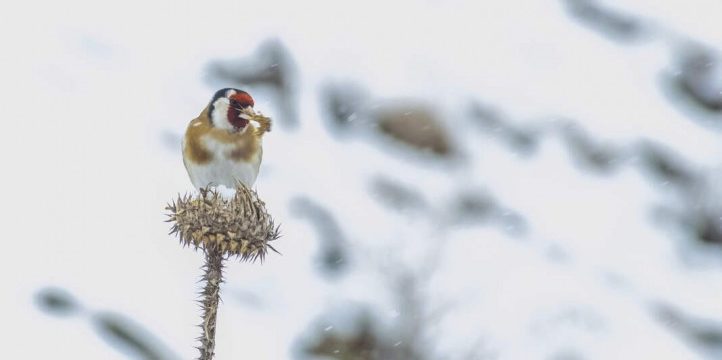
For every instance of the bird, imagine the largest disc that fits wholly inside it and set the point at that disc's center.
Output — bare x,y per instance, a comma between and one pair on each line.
222,146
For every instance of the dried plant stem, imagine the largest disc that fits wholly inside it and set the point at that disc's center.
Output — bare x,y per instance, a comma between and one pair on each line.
237,227
213,278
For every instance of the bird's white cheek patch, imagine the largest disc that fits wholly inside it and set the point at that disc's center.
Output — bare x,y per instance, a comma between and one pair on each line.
219,116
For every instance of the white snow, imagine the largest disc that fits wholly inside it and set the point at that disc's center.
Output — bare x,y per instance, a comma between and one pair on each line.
89,88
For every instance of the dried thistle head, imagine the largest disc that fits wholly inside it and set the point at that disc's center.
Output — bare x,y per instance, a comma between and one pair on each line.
237,226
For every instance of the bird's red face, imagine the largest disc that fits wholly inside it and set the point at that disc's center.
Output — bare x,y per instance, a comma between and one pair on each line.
238,102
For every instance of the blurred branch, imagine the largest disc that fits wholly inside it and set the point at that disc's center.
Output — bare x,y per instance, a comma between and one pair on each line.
475,206
415,126
272,67
662,164
117,330
334,257
367,338
698,77
611,23
524,139
122,333
705,335
398,196
57,302
343,105
362,343
591,154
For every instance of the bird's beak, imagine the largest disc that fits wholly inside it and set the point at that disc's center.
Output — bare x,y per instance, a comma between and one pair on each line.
246,116
249,115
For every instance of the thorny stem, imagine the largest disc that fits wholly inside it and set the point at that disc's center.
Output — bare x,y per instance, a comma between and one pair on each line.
213,278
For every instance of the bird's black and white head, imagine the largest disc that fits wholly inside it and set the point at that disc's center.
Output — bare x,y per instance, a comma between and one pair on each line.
230,109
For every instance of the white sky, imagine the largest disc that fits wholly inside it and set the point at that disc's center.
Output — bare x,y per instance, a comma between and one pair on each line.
89,88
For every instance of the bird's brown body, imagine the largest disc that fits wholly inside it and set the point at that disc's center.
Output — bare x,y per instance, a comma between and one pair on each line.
217,156
242,144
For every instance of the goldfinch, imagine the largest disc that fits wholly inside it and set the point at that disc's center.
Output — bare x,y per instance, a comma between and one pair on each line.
221,146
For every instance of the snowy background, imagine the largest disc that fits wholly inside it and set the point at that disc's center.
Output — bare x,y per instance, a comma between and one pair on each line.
453,179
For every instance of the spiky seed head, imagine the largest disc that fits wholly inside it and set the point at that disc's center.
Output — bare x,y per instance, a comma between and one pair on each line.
236,226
